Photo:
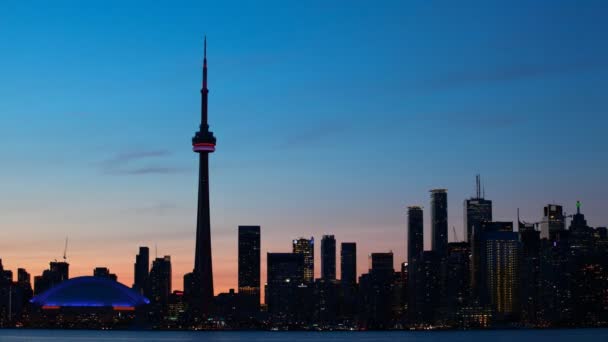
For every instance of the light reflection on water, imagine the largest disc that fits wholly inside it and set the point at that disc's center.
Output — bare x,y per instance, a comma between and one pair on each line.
569,335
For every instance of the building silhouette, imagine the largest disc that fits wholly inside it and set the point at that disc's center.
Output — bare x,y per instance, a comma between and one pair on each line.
58,272
142,271
160,284
439,222
306,247
328,257
249,266
104,272
285,286
476,211
348,263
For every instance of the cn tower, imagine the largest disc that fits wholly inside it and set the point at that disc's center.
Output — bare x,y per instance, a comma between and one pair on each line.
203,143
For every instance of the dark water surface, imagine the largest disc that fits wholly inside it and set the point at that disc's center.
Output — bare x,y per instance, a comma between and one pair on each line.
574,335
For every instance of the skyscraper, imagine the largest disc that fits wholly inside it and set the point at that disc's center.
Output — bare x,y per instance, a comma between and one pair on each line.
439,222
476,210
142,270
500,266
160,281
348,263
307,248
328,257
249,263
553,222
203,143
415,248
415,230
284,277
62,269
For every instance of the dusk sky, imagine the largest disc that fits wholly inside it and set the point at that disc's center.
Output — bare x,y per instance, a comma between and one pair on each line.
331,117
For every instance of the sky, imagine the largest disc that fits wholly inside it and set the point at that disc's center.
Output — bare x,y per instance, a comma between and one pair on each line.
331,118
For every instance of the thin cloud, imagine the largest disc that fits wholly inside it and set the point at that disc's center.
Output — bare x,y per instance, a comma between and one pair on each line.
315,134
512,73
128,163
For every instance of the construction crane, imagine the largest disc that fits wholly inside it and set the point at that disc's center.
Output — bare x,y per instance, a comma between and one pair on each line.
455,236
65,250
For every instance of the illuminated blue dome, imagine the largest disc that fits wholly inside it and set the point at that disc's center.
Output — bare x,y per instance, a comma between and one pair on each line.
90,292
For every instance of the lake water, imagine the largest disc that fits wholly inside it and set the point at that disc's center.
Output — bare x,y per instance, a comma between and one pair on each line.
574,335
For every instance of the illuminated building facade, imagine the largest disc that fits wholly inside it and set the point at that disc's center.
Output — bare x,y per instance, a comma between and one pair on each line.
306,247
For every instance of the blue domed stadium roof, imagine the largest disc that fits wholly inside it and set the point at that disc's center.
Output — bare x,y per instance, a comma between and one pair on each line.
90,292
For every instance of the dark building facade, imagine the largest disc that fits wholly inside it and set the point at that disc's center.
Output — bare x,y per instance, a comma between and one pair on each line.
477,210
376,292
348,263
57,273
328,257
105,273
249,266
415,232
142,271
285,284
439,222
160,284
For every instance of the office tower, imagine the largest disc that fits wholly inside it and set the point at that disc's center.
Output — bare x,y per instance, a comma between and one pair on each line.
381,262
62,269
348,263
348,279
476,210
415,231
249,265
439,222
104,272
415,248
553,222
529,278
328,257
500,271
23,276
142,271
57,272
203,143
285,274
160,282
307,248
25,285
428,291
376,292
458,268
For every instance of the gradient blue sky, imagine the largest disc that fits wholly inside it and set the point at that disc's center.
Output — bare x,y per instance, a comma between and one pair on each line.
331,117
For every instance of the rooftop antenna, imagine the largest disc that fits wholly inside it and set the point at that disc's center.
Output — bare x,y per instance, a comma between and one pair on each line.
65,250
477,186
155,251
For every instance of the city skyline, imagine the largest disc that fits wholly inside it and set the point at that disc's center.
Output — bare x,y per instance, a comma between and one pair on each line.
137,189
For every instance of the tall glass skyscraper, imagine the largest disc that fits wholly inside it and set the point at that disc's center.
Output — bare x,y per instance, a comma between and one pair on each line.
249,262
328,257
306,247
